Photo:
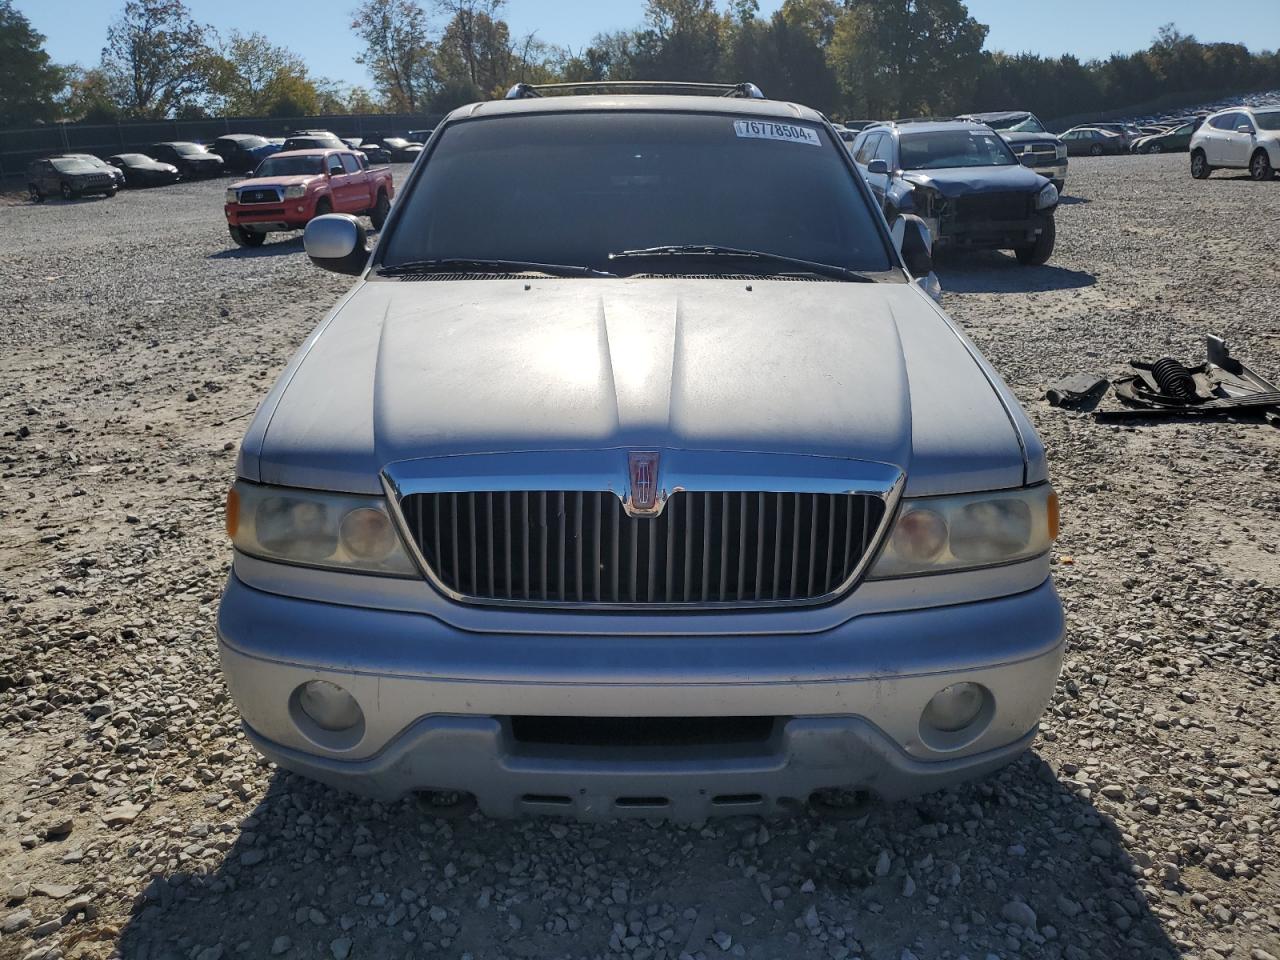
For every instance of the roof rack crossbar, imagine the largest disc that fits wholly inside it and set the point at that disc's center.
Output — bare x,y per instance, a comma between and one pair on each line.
522,91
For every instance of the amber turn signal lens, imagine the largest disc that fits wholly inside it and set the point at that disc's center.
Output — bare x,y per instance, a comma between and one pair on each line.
233,512
1053,516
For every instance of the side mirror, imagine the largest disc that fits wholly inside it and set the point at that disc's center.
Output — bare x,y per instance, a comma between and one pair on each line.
878,166
337,242
914,242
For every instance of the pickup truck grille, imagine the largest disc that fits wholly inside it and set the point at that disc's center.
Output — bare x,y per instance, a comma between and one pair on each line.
992,206
580,547
259,196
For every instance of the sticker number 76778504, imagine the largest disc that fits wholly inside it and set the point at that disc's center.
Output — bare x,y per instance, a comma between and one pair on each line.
770,130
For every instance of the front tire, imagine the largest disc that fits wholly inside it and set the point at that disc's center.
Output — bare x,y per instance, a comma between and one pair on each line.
1038,253
67,192
378,215
1096,150
34,193
1155,148
1260,166
1200,168
247,238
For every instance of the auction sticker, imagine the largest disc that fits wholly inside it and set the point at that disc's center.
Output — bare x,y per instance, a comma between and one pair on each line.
768,130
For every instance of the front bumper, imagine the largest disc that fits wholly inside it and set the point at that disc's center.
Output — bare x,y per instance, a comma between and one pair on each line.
265,217
846,704
1055,170
990,234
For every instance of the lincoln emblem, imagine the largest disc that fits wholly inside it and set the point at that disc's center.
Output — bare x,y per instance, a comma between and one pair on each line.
644,482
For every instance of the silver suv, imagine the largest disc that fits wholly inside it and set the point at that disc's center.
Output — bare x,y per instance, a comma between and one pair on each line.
637,475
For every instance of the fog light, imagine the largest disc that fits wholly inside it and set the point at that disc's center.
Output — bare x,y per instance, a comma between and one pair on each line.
328,705
955,707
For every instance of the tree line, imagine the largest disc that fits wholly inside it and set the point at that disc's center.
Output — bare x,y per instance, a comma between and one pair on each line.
848,58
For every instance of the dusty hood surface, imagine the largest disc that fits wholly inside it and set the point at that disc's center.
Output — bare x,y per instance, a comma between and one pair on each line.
407,370
286,181
955,181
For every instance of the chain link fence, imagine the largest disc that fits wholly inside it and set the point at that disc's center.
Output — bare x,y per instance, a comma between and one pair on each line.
20,147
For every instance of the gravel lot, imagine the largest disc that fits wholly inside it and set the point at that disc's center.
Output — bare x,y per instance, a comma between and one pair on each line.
135,821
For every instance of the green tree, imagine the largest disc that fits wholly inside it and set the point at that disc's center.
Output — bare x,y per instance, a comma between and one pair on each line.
785,58
89,97
897,57
254,77
29,80
157,58
682,40
398,52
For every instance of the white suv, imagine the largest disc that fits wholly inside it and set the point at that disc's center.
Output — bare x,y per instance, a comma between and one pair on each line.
1241,138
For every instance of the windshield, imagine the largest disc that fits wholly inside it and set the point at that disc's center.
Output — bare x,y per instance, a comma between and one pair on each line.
290,166
1269,120
250,143
133,158
590,184
64,165
954,148
1018,124
189,149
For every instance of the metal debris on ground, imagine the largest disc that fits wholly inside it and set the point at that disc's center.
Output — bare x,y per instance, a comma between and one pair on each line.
1080,391
1221,386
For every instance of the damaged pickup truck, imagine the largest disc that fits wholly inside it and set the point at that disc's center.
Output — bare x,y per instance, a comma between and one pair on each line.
962,179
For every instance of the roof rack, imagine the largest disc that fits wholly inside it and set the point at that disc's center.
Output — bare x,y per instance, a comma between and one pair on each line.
522,91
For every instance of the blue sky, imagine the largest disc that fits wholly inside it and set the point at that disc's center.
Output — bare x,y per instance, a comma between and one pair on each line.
317,29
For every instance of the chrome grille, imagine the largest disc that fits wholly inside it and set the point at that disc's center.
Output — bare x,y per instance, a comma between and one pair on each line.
570,547
259,196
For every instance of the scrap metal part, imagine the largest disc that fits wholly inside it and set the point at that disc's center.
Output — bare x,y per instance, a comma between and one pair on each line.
1221,386
1080,391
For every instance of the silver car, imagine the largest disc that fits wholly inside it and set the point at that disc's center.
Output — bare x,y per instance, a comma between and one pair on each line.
638,475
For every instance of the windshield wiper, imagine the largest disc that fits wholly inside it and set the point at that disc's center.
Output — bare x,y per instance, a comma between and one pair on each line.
483,265
698,250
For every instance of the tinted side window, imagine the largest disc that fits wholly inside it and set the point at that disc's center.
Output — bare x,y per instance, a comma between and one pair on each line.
884,149
1222,123
335,165
349,162
868,148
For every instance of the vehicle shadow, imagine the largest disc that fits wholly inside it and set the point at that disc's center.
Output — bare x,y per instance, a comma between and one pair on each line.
992,271
271,248
1067,200
951,873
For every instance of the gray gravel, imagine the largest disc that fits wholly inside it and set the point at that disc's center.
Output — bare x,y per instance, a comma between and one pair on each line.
135,821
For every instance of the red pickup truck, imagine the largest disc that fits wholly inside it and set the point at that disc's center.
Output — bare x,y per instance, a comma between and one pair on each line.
290,189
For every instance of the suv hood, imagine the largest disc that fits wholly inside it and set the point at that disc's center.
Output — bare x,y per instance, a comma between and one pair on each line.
955,181
409,370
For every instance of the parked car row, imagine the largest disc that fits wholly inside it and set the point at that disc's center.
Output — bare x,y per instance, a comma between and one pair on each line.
74,175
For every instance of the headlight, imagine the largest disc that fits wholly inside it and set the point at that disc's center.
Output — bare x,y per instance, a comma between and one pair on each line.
337,530
1047,197
295,191
232,196
936,534
1061,151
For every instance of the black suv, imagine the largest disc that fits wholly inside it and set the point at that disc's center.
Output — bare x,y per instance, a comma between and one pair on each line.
191,159
1035,146
964,181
